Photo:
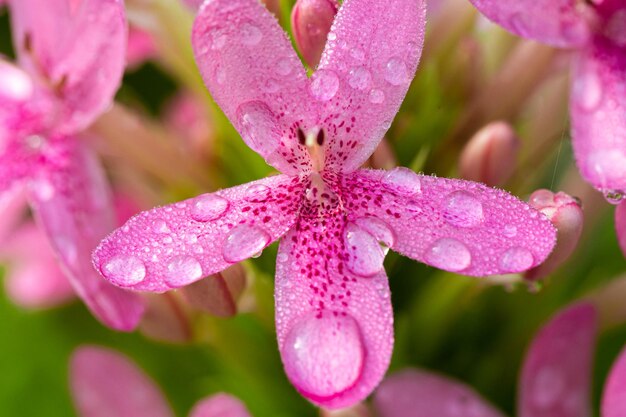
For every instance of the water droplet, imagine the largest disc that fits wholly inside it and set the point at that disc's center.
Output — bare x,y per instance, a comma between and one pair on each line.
282,257
124,270
516,260
396,72
324,356
182,270
257,125
218,39
243,242
614,196
160,226
359,78
449,254
324,84
207,207
587,90
377,228
332,36
607,166
365,256
377,96
462,209
403,180
257,192
283,67
250,34
35,142
548,387
510,230
357,54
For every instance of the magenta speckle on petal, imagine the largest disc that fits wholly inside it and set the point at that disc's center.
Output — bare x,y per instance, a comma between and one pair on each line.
324,356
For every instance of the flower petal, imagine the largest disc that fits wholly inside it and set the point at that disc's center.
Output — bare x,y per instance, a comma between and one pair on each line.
455,225
105,383
255,76
614,396
76,49
427,394
335,329
556,376
598,113
620,225
219,405
555,22
34,279
370,59
72,203
175,245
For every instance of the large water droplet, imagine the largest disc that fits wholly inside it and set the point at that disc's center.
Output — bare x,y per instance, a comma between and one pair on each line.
614,196
257,192
377,96
324,356
124,270
377,228
250,34
462,209
182,270
258,128
243,242
365,256
324,85
396,72
548,387
359,78
516,260
449,254
403,180
160,226
208,207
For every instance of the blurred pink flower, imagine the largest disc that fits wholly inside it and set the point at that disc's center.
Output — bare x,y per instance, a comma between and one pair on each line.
140,47
71,58
598,102
333,313
620,225
188,117
105,383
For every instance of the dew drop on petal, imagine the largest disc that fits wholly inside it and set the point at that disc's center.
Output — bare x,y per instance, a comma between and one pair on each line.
365,256
208,207
396,72
403,180
257,192
243,242
160,226
510,230
182,270
257,125
283,67
324,356
548,387
218,39
324,84
124,270
462,209
608,165
516,260
376,96
614,197
449,254
250,34
377,228
359,78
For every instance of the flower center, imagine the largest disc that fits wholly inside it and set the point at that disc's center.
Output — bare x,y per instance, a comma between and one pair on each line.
314,140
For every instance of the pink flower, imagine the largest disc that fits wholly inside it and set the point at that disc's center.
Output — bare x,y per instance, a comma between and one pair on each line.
555,380
598,99
72,58
105,383
333,312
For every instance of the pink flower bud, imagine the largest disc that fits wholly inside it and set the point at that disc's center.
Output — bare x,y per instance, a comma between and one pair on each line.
311,21
218,293
620,225
490,155
566,214
166,319
220,404
140,48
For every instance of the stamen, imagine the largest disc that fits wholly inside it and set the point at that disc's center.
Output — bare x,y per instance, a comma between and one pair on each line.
320,137
301,137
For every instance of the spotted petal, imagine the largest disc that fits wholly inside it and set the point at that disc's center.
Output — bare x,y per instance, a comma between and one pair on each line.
335,328
556,376
555,22
598,113
71,201
427,394
620,225
455,225
255,76
614,396
105,383
370,59
76,49
220,405
175,245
